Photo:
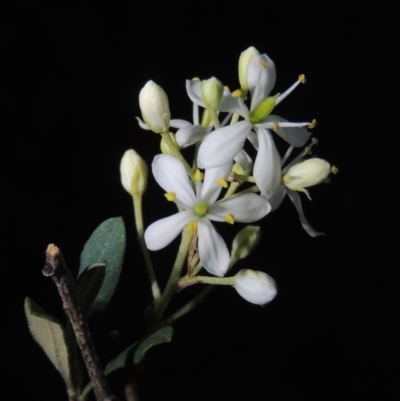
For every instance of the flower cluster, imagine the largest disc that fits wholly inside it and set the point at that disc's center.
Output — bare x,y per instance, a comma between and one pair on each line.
213,188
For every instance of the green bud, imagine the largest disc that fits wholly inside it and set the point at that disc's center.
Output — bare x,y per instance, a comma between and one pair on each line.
211,92
244,61
134,173
245,241
164,147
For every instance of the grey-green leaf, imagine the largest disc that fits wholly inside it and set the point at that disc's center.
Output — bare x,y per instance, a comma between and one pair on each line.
50,335
89,284
138,350
106,245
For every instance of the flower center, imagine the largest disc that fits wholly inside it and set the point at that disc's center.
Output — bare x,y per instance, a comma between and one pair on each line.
200,209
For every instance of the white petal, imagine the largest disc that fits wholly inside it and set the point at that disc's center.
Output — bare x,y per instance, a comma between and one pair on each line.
267,167
142,124
190,134
231,104
245,161
245,208
252,137
172,177
221,145
295,198
261,76
176,123
296,136
277,197
211,189
193,89
213,252
161,233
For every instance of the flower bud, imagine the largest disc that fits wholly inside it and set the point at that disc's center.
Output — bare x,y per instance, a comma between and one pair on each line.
256,287
211,92
134,173
245,241
307,173
244,61
154,106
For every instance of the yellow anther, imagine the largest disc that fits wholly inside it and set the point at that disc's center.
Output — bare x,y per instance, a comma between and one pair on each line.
171,196
313,124
223,183
334,170
275,126
198,175
237,93
192,226
307,150
263,64
226,87
315,141
230,219
195,79
302,78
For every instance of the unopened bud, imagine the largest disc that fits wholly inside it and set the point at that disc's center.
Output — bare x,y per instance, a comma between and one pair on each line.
211,92
244,61
256,287
245,241
154,106
134,173
263,110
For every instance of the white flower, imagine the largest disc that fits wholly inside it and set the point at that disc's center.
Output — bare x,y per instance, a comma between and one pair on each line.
256,287
133,173
154,106
261,79
199,207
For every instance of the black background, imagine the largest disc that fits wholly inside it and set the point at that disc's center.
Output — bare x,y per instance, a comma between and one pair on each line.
74,71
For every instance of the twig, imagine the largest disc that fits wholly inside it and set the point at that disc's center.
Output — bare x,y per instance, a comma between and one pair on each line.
56,268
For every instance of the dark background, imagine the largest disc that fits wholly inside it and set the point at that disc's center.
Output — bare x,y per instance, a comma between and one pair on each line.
70,99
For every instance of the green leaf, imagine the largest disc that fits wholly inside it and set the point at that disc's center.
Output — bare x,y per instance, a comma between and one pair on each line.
89,284
49,334
106,245
137,351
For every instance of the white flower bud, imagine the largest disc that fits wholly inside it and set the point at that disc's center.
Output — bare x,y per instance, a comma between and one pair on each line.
153,102
306,174
244,61
134,173
245,241
256,287
211,92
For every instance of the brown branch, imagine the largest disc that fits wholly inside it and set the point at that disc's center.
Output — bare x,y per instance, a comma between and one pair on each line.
56,268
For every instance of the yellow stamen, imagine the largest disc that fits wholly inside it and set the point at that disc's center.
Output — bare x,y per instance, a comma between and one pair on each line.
192,226
302,78
237,93
171,196
313,124
275,126
198,175
315,141
307,150
230,219
226,87
263,64
196,79
334,170
223,183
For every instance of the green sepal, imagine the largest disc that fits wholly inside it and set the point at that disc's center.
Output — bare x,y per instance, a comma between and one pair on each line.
105,245
49,333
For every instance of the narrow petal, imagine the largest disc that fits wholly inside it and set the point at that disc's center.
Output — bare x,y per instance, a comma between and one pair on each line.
295,198
267,167
221,145
245,161
211,189
176,123
296,136
142,124
261,76
190,134
193,89
161,233
231,104
213,252
277,197
172,177
245,208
